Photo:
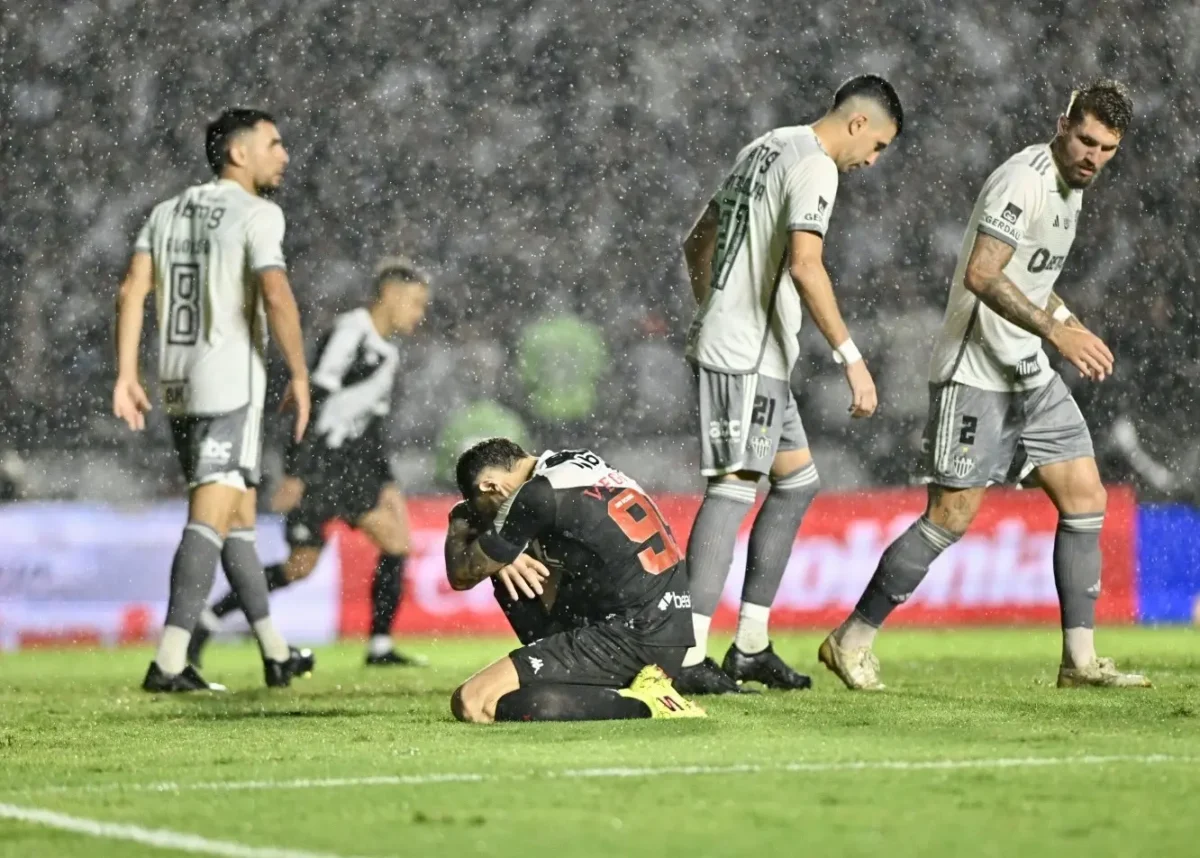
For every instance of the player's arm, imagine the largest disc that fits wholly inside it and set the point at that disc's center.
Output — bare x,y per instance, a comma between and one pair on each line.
1058,309
985,278
698,250
500,549
130,402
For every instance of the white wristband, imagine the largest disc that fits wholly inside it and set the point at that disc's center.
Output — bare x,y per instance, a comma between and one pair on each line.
847,353
1061,313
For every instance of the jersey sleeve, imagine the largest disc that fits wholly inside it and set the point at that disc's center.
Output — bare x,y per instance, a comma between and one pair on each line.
809,189
143,243
1012,199
337,354
531,512
264,239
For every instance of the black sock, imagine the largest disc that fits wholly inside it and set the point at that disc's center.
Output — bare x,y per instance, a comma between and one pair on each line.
230,602
385,592
568,703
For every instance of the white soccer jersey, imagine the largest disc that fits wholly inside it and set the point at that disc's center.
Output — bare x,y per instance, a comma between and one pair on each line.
355,373
208,245
782,182
1025,204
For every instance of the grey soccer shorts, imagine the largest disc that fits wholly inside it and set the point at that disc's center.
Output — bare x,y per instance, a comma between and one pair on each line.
744,421
980,437
225,449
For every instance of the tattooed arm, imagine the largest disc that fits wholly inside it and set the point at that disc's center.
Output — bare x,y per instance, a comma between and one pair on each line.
1052,306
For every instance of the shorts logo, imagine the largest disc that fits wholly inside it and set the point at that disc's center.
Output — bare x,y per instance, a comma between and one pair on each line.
760,446
962,466
217,452
678,600
725,430
536,664
1011,213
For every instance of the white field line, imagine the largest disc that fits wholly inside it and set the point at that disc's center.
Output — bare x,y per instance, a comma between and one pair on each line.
816,767
160,837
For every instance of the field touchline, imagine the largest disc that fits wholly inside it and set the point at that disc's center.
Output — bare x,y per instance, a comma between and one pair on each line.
159,837
628,772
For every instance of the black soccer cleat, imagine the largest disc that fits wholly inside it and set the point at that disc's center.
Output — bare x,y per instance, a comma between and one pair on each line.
279,674
189,679
765,667
706,678
391,658
195,650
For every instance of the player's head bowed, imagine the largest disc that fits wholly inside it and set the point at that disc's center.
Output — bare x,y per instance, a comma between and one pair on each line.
490,472
1090,130
865,117
244,144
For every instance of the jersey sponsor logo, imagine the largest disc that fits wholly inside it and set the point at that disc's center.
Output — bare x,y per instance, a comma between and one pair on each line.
1028,367
962,466
822,204
1011,213
1001,226
760,446
210,216
1043,261
216,452
677,600
725,430
174,394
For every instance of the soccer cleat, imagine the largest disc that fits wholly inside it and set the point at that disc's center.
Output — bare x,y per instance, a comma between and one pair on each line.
189,679
391,658
196,645
1101,673
279,674
765,667
707,678
653,687
857,668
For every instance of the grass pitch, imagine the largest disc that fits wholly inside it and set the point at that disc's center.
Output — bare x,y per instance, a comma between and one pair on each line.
971,751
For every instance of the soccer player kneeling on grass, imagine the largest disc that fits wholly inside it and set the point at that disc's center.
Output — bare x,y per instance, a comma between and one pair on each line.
620,619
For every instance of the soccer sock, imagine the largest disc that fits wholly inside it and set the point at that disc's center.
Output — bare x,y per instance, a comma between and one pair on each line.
710,550
903,566
568,703
227,604
385,595
771,542
751,635
270,641
699,651
192,574
1077,579
245,573
209,621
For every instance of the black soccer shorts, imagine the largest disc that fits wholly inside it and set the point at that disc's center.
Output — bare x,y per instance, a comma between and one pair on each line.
605,654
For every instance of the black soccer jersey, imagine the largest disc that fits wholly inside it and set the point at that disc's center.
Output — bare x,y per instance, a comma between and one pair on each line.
614,554
352,382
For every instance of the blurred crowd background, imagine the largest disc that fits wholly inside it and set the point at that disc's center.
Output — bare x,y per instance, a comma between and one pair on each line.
544,159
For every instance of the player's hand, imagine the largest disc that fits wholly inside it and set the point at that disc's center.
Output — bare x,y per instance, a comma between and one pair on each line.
1086,351
525,575
298,397
287,497
130,403
862,388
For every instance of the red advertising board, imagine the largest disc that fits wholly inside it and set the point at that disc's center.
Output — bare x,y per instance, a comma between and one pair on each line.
1000,572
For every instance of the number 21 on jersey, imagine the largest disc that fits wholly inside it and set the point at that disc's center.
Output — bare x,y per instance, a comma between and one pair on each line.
639,519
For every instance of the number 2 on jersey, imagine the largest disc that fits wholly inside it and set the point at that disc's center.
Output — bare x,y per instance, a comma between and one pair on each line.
639,520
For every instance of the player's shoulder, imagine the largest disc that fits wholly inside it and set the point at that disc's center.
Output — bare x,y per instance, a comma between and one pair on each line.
1031,165
801,153
569,469
358,318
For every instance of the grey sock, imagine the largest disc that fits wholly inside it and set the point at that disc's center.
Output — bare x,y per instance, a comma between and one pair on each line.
902,567
192,574
774,533
714,533
1077,568
244,570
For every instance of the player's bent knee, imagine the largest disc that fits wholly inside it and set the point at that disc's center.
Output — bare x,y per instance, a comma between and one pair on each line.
468,704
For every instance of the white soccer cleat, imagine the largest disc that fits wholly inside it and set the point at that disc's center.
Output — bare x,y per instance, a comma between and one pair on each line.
1101,673
857,668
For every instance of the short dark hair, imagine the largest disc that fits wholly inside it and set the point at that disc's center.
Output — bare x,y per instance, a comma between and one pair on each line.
492,453
877,89
399,268
222,131
1106,99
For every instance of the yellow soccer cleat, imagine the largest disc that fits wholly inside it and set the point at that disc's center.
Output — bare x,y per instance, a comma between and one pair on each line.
857,668
653,687
1101,673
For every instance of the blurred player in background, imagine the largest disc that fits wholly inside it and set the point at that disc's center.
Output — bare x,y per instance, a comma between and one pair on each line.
340,469
213,255
620,589
754,257
997,409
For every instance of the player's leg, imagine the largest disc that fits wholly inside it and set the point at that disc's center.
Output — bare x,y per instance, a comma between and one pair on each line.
1058,444
387,525
969,441
727,406
794,484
